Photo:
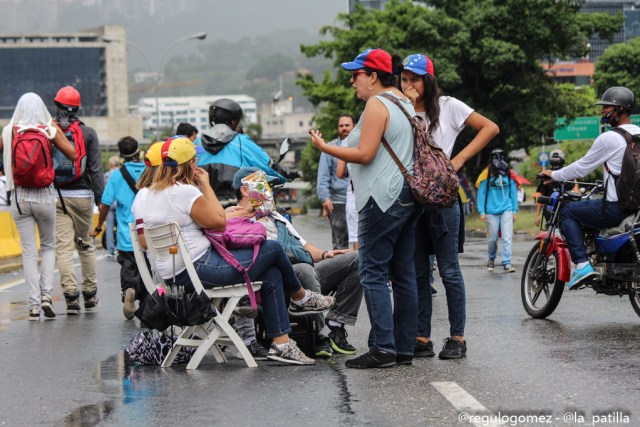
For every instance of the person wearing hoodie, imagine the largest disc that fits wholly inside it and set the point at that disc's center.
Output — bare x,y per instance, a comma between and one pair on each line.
227,149
498,205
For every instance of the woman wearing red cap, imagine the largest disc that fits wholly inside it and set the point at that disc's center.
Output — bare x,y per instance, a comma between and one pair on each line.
181,193
387,210
445,117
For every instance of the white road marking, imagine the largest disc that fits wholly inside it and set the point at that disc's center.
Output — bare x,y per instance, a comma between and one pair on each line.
464,403
10,285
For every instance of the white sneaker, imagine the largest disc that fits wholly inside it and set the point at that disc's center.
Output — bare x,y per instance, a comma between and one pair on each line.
129,308
289,353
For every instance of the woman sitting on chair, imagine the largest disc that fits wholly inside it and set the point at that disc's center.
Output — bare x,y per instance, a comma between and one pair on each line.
181,193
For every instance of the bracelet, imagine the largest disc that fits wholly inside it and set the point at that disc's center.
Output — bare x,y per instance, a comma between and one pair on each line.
324,253
98,229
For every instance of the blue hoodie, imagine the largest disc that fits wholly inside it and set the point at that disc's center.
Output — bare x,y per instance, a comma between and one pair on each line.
502,197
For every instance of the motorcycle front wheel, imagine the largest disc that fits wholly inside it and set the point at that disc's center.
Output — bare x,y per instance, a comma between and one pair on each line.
634,296
540,287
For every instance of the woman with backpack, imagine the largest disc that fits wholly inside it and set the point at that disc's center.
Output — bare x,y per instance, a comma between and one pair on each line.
441,231
387,209
181,192
498,205
33,200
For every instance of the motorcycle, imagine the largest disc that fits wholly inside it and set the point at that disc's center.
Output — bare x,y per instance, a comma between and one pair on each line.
613,253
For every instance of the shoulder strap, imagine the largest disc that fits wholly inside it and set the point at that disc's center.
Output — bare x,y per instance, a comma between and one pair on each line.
232,261
627,136
395,101
129,179
395,158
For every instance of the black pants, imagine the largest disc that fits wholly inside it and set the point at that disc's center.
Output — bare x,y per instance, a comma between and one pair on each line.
130,276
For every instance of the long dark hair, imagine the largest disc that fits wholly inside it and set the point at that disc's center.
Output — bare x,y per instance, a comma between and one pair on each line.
431,99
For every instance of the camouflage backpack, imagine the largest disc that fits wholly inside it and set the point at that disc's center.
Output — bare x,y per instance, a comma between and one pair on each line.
434,182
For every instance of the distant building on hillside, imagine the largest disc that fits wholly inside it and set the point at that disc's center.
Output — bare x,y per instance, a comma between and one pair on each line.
278,120
189,109
45,62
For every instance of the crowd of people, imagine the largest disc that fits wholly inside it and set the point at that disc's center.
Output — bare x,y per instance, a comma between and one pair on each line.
201,182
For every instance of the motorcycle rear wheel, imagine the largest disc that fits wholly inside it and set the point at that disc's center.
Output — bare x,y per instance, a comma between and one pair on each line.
540,288
634,297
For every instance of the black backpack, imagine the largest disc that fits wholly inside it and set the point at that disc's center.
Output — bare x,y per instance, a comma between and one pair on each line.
628,182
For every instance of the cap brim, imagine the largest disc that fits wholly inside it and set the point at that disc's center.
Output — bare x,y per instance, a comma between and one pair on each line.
352,66
415,71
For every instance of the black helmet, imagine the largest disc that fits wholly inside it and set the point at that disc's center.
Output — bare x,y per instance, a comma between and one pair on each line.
618,96
224,111
498,152
556,160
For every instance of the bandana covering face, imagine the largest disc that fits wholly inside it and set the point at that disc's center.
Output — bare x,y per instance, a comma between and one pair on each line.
260,195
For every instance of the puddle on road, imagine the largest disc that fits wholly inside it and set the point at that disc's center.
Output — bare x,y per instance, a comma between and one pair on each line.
119,377
12,312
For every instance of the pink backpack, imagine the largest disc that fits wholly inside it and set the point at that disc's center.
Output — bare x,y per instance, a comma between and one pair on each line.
240,233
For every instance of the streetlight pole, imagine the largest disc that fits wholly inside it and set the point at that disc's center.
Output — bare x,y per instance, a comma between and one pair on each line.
156,75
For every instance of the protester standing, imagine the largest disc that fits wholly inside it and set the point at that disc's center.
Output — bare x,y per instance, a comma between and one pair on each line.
498,206
332,189
31,206
387,210
441,231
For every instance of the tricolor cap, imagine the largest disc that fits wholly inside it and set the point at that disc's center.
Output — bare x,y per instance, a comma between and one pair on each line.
419,64
153,156
178,151
376,59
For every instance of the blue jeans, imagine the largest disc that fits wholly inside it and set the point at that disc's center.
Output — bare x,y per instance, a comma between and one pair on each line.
503,223
446,249
387,246
588,212
272,267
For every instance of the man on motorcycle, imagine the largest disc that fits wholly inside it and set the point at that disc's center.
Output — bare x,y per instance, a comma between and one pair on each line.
617,105
227,149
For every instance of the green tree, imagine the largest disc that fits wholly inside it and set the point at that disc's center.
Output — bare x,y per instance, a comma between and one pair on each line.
486,53
619,65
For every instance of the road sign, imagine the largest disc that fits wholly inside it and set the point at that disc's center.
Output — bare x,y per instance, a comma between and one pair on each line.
543,159
583,127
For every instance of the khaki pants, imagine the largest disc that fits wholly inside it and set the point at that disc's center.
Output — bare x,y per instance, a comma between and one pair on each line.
72,232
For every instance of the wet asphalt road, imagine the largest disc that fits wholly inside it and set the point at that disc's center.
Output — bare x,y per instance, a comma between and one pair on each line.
581,362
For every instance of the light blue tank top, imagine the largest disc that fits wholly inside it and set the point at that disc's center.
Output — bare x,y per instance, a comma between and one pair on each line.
382,179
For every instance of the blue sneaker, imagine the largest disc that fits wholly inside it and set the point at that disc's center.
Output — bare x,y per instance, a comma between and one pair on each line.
581,275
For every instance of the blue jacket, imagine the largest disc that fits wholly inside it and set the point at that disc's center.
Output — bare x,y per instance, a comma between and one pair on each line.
117,190
502,196
226,151
328,184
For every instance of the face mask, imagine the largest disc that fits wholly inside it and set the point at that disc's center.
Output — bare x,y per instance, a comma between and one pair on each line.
608,119
63,118
500,166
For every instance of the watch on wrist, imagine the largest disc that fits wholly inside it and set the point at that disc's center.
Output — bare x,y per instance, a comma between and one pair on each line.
98,229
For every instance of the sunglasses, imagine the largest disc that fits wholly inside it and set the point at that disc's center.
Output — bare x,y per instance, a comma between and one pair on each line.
354,75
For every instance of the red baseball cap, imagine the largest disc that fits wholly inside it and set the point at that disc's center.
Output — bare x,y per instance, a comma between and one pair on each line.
376,59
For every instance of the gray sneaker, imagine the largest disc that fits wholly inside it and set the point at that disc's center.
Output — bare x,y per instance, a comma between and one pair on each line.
509,269
47,307
73,306
316,303
129,307
490,265
289,353
34,314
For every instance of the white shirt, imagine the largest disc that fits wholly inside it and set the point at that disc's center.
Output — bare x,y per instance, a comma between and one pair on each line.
453,114
608,147
174,205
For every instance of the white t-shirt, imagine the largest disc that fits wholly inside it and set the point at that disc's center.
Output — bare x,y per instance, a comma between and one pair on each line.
174,205
453,114
137,208
608,147
3,190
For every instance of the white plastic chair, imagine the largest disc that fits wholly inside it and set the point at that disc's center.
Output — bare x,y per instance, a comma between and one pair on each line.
138,253
215,333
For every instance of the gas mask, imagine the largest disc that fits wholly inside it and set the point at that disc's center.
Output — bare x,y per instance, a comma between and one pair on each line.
499,165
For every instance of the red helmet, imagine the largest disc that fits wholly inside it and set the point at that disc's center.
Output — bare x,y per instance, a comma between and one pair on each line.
68,96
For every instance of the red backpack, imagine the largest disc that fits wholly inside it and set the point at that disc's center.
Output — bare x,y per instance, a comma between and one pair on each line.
31,157
68,171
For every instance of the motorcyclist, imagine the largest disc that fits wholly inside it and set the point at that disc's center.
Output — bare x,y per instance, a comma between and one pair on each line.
227,149
617,105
